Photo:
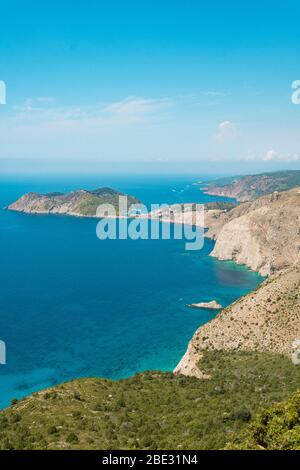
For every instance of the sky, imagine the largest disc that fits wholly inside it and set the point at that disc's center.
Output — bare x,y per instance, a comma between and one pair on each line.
162,86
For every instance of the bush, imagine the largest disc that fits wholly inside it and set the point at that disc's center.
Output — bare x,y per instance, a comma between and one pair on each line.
241,415
15,418
52,430
72,438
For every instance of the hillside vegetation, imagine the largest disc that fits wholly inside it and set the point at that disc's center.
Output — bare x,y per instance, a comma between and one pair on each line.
275,428
152,410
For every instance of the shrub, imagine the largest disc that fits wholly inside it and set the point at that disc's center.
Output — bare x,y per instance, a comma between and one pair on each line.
52,430
72,438
241,415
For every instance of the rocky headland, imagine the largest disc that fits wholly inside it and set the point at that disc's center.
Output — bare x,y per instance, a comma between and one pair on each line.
80,203
263,234
246,188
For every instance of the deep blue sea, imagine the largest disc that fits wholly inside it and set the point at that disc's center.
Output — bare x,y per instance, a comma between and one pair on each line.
74,306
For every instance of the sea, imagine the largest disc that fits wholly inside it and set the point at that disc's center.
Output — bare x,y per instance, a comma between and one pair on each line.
72,305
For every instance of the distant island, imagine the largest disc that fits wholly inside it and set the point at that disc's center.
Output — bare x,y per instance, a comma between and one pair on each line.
80,203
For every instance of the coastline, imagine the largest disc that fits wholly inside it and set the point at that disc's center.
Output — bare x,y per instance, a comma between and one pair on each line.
187,363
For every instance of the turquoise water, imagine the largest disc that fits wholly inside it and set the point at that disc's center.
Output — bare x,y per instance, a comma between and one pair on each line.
73,306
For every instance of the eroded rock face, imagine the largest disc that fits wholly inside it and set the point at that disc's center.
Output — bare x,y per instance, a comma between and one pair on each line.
239,240
188,364
266,320
263,234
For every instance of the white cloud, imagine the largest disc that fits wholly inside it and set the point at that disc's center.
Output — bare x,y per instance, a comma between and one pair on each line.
134,106
45,99
116,128
31,104
215,94
273,156
226,129
132,109
225,125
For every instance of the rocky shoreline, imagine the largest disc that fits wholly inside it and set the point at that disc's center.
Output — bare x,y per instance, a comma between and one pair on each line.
264,235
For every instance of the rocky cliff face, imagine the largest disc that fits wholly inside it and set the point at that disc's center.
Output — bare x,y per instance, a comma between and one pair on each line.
79,203
266,320
263,234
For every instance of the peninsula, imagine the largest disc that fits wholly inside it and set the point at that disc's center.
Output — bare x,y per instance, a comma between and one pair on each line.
246,188
80,203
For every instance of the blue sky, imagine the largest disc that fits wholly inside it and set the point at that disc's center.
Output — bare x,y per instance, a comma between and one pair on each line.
160,85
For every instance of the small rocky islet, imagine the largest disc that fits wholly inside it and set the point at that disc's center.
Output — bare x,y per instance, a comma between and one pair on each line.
213,305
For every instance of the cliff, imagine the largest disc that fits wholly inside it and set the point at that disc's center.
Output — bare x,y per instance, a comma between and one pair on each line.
266,320
79,203
263,234
246,188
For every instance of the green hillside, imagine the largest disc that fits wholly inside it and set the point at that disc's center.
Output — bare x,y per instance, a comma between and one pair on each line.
152,410
275,428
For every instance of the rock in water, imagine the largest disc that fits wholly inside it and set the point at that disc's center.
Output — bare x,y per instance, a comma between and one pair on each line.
212,305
